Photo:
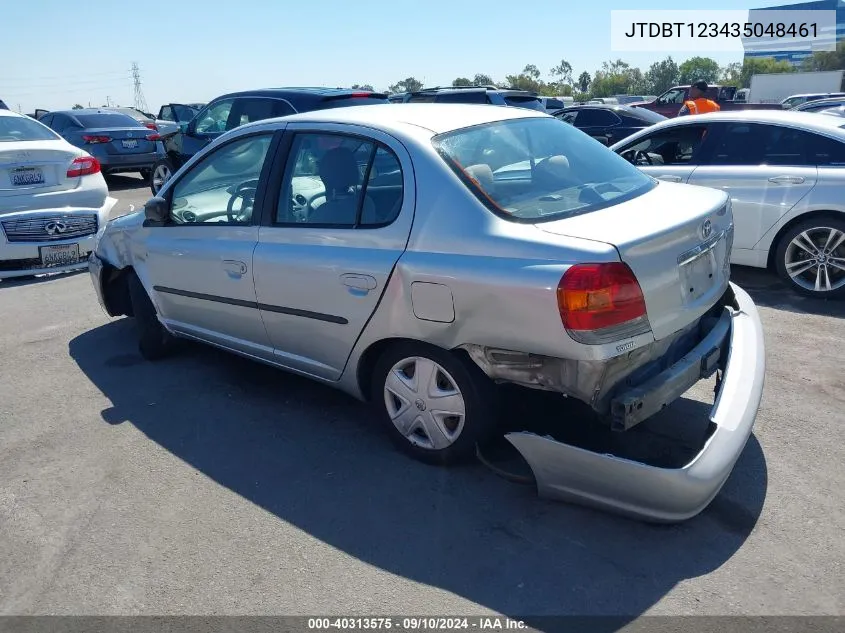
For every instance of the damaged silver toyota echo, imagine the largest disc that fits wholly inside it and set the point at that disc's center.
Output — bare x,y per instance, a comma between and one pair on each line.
416,255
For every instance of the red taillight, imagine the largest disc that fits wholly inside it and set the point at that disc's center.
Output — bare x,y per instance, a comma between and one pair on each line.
596,296
361,94
151,126
153,137
83,166
96,139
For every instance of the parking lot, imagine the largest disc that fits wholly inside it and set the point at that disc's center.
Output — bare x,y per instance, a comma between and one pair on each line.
207,484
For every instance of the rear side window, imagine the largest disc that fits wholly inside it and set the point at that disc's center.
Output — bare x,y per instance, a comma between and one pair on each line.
166,114
107,119
596,117
13,128
556,104
256,109
756,144
421,99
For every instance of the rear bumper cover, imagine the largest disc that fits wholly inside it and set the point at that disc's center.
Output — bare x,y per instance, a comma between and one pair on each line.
635,489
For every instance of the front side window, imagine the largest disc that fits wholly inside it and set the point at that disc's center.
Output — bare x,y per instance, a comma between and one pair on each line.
221,187
214,119
340,181
13,128
673,146
678,95
538,169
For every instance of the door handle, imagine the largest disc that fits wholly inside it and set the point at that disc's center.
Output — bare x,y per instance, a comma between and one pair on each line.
234,267
788,180
359,282
669,178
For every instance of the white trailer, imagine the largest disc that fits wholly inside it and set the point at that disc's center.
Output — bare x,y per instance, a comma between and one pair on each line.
775,87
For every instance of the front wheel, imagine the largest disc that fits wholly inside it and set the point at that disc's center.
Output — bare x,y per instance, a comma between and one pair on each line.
154,341
435,405
161,173
810,257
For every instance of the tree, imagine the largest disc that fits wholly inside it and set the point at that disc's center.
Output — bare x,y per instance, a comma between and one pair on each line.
731,75
563,71
616,77
584,81
77,107
482,80
461,81
528,79
362,87
760,65
406,85
826,60
661,76
698,69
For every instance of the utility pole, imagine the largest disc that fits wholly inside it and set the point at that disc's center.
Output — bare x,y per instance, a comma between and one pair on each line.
140,102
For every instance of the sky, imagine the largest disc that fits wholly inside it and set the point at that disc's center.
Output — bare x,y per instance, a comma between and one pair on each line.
60,53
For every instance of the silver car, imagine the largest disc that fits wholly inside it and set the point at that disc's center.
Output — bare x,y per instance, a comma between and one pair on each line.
416,255
785,174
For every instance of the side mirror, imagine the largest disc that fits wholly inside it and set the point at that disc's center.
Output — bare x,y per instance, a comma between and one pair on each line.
155,212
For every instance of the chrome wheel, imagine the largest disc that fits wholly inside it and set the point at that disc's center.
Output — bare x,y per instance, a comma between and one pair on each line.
815,259
160,176
424,403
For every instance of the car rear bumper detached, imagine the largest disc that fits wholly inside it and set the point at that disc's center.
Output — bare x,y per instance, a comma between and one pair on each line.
667,495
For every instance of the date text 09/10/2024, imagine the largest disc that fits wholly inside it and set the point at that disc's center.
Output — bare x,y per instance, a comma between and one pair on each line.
726,29
416,624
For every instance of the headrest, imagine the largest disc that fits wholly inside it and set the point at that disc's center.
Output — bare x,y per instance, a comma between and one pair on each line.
338,169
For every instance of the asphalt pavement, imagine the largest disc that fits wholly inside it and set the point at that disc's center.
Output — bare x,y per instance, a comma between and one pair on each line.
207,484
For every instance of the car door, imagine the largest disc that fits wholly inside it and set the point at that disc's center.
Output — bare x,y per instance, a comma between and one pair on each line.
329,241
598,123
670,153
199,263
765,171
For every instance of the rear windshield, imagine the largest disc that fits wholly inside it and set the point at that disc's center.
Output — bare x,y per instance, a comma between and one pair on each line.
647,115
106,119
532,103
538,169
16,128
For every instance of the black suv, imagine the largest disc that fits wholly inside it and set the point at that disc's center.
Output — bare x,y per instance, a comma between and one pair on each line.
477,94
236,109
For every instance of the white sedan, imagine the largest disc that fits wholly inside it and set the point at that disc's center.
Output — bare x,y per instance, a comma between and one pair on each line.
53,200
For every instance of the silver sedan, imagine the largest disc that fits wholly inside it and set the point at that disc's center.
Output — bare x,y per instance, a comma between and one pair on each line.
785,174
416,255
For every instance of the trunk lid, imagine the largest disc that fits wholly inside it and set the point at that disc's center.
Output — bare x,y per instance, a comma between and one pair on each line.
125,140
36,167
676,239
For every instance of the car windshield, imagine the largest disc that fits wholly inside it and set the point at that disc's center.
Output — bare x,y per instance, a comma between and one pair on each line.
106,119
537,169
17,128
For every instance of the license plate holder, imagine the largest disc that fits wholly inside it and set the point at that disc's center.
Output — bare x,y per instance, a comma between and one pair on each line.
27,176
129,144
59,255
700,273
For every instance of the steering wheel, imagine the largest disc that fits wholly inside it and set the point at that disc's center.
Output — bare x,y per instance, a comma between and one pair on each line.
310,208
642,155
245,190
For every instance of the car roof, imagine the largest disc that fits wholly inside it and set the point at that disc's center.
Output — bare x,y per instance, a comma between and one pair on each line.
809,120
434,117
4,112
463,89
312,92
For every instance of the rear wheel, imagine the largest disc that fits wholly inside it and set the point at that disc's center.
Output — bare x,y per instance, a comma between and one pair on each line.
810,257
161,173
435,405
154,342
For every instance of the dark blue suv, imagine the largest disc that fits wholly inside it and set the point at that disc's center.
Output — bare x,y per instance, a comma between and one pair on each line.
236,109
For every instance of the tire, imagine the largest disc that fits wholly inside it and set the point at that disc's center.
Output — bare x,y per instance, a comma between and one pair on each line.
812,275
154,342
161,172
441,439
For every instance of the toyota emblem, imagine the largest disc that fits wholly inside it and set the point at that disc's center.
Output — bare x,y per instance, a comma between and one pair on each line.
706,229
55,227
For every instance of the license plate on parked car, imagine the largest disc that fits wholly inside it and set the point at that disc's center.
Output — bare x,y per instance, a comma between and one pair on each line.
130,144
24,176
59,255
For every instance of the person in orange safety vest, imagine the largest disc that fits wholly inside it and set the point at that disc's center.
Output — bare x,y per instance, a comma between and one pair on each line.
698,103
